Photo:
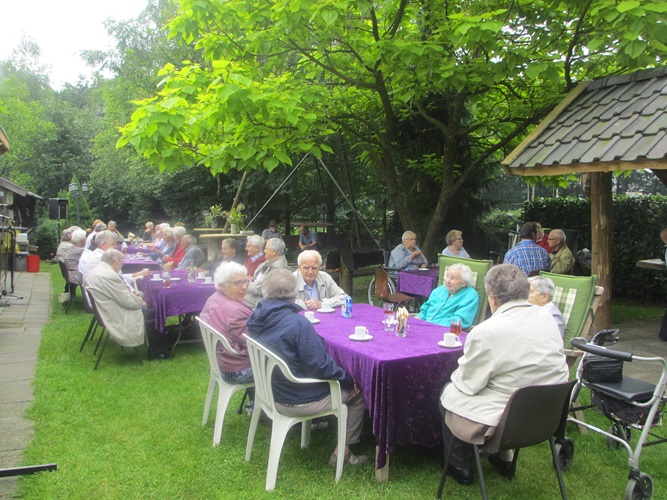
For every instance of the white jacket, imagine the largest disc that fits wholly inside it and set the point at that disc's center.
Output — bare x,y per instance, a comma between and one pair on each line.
519,345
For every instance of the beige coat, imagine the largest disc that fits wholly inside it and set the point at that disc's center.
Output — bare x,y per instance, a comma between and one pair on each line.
519,345
118,307
329,291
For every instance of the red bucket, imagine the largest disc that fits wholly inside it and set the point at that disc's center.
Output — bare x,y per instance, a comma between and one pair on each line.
33,264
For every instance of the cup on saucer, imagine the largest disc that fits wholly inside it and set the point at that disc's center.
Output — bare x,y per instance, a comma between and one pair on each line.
360,332
451,340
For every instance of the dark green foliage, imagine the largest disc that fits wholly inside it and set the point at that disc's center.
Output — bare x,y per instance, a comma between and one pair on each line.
637,222
46,236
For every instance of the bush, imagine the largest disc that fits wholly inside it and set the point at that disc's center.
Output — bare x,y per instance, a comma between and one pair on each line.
46,236
636,226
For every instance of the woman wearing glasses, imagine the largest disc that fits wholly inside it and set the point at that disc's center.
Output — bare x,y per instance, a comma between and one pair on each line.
454,246
227,312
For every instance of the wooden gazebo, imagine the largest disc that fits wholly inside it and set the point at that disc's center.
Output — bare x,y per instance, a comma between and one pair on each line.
602,126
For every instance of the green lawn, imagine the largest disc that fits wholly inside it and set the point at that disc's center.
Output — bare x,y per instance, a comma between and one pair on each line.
130,431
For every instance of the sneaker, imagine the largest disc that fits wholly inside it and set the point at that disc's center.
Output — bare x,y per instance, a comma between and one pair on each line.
349,459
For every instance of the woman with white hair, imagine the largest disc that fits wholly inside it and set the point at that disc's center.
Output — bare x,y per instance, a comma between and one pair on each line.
227,312
254,247
541,294
407,255
457,298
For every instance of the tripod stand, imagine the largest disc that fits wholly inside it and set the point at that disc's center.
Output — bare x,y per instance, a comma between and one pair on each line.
7,254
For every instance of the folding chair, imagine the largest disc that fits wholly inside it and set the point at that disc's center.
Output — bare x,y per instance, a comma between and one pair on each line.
479,269
69,286
534,414
88,305
263,363
384,294
225,390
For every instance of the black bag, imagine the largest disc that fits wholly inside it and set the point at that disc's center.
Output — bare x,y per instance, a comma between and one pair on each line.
601,369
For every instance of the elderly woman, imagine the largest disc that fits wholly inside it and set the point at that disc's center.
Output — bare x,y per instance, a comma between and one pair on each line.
254,247
274,251
177,255
65,242
407,255
501,355
227,312
454,246
457,298
541,294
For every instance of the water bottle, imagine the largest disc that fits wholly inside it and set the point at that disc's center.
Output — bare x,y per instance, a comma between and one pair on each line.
346,310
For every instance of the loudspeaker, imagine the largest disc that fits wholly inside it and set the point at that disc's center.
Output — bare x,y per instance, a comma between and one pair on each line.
57,208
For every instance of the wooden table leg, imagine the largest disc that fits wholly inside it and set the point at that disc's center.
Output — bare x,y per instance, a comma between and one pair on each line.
382,475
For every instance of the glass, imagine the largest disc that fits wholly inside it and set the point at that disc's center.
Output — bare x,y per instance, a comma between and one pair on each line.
388,319
455,326
166,279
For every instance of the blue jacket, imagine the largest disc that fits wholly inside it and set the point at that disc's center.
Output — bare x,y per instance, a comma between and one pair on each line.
276,325
441,307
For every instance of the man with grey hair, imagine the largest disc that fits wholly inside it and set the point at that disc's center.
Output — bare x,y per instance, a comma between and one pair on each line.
65,242
407,256
313,286
254,247
274,251
541,294
104,241
73,256
277,325
193,255
517,346
122,310
562,260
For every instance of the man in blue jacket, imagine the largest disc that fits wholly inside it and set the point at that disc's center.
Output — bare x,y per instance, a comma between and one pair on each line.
277,325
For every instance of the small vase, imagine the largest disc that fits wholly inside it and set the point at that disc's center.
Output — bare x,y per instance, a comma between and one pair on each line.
214,224
234,228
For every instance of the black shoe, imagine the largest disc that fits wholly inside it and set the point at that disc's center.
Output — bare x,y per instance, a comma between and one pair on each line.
161,356
462,476
507,469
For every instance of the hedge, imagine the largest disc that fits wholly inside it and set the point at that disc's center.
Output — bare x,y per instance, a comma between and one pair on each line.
636,222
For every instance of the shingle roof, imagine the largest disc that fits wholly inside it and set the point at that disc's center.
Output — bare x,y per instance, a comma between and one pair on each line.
614,119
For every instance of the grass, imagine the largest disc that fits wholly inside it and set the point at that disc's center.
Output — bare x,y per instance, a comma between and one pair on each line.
130,431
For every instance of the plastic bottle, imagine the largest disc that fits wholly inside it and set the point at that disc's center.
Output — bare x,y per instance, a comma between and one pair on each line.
346,310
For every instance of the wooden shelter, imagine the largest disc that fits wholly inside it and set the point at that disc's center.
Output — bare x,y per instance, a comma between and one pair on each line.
605,125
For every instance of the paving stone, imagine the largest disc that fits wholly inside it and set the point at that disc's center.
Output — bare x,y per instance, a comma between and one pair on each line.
21,371
16,391
9,410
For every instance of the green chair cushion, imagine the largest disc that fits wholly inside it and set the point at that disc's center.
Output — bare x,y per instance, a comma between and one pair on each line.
573,296
479,269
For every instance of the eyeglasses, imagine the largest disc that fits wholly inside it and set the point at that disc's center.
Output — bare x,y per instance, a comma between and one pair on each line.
239,283
310,268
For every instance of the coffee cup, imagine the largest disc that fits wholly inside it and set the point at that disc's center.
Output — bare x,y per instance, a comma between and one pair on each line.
326,306
450,339
156,277
360,332
208,279
201,274
310,316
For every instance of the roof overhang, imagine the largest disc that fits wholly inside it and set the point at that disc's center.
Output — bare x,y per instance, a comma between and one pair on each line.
15,188
614,166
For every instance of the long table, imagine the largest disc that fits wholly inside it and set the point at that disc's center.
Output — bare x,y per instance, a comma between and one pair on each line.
418,282
401,378
134,264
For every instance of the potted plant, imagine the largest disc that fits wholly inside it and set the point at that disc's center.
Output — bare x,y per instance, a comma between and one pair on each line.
212,215
235,217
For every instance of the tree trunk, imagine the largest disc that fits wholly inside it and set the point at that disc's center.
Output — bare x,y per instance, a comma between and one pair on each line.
601,237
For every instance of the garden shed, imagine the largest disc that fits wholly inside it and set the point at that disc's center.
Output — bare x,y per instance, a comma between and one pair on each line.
604,125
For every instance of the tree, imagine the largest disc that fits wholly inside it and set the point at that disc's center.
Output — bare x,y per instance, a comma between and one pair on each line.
278,79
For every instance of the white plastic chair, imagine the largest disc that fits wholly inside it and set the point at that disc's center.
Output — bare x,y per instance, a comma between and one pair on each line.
225,390
263,362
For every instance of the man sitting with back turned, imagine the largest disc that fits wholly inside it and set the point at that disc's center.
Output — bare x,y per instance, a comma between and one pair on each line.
277,325
526,255
193,254
123,311
518,345
313,287
562,260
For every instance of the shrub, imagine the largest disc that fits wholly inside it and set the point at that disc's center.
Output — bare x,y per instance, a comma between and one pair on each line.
46,236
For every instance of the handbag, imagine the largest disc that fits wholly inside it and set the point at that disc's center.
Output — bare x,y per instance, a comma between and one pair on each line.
601,369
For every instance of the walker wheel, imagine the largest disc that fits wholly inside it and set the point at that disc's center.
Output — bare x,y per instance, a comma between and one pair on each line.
565,452
639,489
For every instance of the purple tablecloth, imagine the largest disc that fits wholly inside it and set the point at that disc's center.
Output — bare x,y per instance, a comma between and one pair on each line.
418,282
401,378
131,249
132,265
181,298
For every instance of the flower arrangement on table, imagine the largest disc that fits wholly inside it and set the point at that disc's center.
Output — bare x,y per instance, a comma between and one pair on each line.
213,215
235,216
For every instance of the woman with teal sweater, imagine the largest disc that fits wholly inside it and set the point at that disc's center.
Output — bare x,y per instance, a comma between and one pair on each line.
457,298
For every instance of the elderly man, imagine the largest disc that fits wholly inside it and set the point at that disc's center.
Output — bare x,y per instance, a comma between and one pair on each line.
308,239
518,345
272,231
407,256
313,287
193,254
73,256
562,260
526,255
254,247
274,251
105,240
111,226
123,311
277,325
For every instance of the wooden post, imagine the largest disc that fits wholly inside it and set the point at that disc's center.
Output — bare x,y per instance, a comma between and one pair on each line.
346,271
601,226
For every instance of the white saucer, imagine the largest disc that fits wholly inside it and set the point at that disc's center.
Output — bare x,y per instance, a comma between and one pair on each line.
315,321
153,279
422,269
441,343
357,339
175,279
325,311
208,282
